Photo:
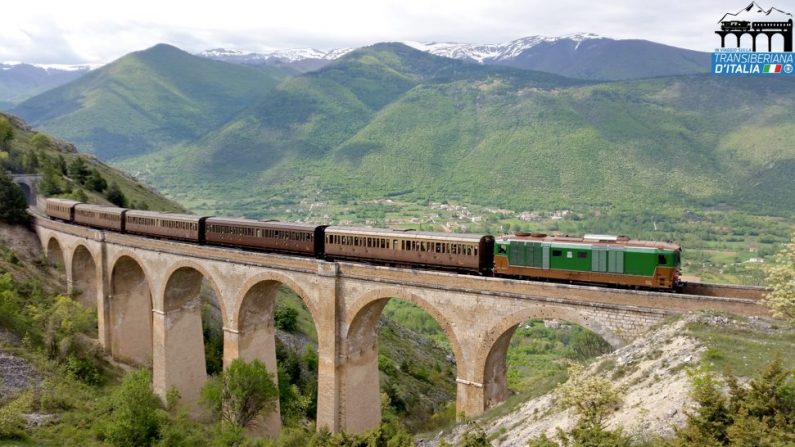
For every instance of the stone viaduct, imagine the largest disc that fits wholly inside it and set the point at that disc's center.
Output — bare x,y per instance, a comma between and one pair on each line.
146,292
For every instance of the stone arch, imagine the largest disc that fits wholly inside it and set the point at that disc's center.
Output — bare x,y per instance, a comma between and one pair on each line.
362,314
55,254
270,278
256,334
360,349
186,274
84,277
180,361
130,312
491,358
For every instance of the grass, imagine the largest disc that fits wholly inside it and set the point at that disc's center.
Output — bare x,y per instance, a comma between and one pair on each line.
743,350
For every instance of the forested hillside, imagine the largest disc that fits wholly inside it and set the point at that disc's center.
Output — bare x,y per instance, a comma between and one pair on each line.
388,121
147,100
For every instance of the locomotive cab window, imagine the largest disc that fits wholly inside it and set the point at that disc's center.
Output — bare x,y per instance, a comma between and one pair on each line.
582,254
557,253
661,260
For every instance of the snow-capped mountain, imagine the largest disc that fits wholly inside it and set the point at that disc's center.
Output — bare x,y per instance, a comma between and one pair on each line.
480,53
492,53
754,12
582,55
276,55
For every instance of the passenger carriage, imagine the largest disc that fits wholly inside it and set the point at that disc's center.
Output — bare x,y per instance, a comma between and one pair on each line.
265,235
460,252
184,227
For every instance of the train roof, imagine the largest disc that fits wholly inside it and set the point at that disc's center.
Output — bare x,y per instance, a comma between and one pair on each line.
66,202
410,234
160,215
111,209
591,239
262,224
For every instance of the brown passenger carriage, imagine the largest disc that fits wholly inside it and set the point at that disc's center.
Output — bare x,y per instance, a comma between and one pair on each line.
265,235
458,252
61,209
166,225
111,218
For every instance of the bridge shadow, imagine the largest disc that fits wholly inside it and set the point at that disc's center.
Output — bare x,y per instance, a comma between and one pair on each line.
84,277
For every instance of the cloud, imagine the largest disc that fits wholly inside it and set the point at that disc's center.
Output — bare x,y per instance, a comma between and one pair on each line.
50,31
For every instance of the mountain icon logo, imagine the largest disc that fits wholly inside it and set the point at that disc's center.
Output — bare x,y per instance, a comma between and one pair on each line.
755,20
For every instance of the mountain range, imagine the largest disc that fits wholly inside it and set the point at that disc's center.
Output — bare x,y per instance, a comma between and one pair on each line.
19,81
582,56
391,121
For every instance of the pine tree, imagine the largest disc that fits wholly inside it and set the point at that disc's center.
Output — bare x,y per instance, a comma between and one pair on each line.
78,171
115,196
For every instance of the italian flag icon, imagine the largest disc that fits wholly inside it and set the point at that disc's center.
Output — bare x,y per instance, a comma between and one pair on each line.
772,68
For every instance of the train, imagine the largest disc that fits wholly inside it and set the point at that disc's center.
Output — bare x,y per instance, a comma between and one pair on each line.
746,26
592,259
735,25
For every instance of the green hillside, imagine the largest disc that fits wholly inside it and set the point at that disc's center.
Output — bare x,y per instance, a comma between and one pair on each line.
148,99
31,152
388,121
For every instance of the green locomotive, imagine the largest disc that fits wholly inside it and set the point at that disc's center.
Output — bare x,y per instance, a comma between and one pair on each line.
613,260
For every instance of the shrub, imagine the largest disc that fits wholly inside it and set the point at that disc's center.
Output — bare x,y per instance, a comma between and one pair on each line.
286,318
12,421
240,393
135,417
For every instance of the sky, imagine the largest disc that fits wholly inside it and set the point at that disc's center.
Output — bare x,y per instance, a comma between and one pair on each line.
78,31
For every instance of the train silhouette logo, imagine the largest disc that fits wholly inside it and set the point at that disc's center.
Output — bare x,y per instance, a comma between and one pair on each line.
754,20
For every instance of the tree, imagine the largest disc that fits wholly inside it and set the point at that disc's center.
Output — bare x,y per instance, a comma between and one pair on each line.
759,413
78,170
96,182
50,183
13,205
6,132
135,417
30,161
241,392
41,141
115,196
781,278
